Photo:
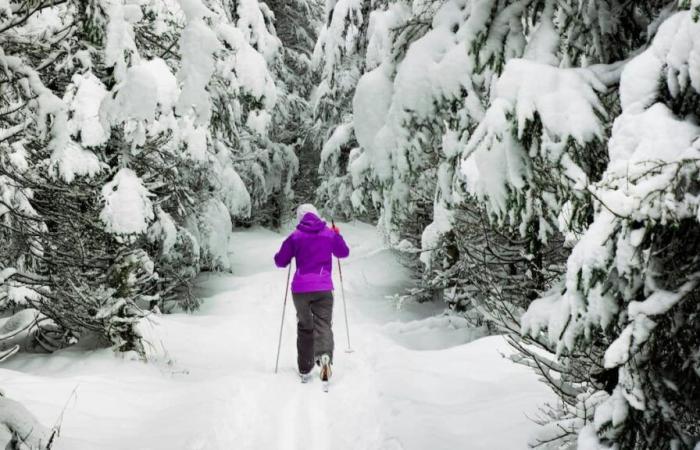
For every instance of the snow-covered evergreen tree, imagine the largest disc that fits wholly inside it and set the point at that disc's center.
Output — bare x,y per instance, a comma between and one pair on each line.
483,133
297,23
429,71
133,135
339,56
629,299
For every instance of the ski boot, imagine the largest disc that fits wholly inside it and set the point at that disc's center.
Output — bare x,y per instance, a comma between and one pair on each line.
305,377
325,363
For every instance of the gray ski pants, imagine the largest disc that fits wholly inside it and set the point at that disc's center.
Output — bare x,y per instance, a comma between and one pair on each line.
314,333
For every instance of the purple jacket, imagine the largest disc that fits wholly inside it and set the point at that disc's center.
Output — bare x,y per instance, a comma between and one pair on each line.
313,245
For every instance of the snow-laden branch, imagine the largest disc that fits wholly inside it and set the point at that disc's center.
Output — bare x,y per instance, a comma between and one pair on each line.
20,429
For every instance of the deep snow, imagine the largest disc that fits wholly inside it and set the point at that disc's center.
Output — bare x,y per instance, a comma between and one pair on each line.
414,382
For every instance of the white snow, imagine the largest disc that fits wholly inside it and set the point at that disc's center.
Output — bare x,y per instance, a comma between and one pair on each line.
259,122
148,84
496,159
495,164
331,149
565,99
7,273
195,138
247,67
18,295
128,208
251,20
358,167
381,24
163,230
441,224
85,104
339,35
5,8
640,142
198,43
639,83
543,45
210,384
17,420
673,55
614,411
17,156
72,160
371,104
212,228
234,193
588,439
120,36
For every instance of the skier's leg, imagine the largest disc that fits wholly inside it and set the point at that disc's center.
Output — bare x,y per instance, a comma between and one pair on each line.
322,308
305,332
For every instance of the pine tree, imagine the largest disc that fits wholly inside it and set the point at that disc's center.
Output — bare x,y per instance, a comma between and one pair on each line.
297,23
483,133
629,298
136,134
339,56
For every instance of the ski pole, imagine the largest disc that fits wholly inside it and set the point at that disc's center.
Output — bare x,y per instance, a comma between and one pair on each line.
284,309
345,308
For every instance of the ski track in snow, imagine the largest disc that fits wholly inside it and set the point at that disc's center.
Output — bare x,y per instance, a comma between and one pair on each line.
214,388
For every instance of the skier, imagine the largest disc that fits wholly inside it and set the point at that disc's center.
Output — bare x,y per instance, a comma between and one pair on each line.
313,244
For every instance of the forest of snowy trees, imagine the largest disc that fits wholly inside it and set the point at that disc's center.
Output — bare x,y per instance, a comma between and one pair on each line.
542,158
134,134
536,163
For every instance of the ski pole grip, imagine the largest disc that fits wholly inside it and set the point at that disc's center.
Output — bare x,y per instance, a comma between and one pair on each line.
333,227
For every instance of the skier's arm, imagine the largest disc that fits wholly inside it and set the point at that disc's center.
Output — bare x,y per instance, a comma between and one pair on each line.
340,248
286,253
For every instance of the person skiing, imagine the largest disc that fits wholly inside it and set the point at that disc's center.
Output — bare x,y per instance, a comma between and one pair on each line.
313,244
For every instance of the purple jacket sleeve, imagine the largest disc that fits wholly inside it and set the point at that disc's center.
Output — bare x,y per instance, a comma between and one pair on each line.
340,248
286,253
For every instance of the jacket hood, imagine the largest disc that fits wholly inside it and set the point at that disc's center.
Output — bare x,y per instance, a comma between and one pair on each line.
304,209
311,223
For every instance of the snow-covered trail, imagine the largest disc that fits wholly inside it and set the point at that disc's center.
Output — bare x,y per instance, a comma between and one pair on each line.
412,383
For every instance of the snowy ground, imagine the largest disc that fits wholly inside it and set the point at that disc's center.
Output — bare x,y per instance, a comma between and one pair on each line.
412,383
